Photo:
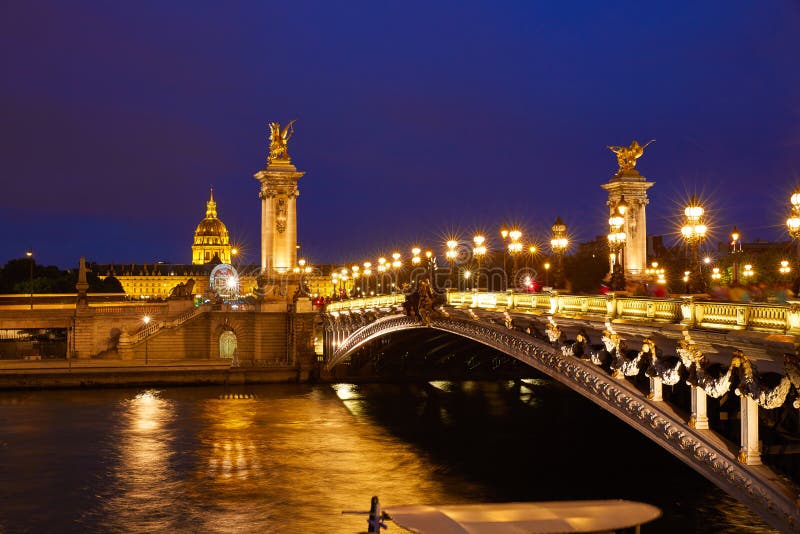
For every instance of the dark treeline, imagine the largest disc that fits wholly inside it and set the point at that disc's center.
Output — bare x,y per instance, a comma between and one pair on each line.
15,277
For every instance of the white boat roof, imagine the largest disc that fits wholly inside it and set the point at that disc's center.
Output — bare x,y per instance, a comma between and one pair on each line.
523,517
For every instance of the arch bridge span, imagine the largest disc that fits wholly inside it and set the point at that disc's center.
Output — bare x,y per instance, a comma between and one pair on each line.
592,347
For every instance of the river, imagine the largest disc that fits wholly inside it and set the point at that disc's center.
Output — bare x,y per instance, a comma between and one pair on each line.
291,458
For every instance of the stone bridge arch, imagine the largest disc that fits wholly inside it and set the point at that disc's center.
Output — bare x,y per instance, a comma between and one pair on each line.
773,497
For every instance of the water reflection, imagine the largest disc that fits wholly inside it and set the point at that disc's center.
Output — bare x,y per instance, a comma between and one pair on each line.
290,458
142,474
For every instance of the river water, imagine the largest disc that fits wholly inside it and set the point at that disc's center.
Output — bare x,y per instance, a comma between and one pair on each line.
291,458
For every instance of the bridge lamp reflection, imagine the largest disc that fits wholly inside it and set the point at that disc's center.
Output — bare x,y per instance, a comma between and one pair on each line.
146,320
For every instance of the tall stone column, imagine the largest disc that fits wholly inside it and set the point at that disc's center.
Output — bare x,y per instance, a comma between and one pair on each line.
631,185
278,216
278,205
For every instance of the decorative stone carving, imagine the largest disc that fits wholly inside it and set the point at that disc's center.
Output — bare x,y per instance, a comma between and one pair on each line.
281,216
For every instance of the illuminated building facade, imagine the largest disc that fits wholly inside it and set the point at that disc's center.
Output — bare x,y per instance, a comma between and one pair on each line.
211,238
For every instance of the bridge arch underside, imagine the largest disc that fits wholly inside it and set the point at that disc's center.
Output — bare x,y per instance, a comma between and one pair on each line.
425,354
773,497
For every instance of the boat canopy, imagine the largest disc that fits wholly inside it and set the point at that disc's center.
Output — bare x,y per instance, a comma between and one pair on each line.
516,517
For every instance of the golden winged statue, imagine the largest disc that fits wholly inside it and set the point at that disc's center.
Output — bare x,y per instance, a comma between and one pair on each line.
627,155
279,140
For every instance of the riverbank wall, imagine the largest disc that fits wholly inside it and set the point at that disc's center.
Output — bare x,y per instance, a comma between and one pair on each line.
126,373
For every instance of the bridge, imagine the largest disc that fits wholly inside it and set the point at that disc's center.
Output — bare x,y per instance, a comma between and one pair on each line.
669,367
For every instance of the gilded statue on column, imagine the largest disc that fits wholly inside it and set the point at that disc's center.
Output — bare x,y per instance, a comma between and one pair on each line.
279,140
627,155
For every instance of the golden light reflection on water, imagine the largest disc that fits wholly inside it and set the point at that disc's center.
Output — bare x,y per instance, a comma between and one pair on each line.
287,459
142,474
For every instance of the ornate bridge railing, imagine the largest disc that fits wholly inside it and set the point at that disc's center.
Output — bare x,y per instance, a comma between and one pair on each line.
688,310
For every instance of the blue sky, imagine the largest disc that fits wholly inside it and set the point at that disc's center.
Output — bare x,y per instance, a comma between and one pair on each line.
415,120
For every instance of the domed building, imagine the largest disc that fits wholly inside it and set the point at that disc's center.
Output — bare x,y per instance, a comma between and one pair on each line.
211,240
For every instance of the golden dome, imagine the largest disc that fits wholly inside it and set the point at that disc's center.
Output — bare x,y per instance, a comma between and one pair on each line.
211,237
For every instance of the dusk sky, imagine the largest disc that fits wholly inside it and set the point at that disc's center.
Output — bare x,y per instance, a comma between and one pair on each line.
414,120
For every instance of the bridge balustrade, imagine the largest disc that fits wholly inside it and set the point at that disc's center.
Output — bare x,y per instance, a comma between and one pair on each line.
778,318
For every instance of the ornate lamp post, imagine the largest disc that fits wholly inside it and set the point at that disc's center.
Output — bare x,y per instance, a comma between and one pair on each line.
415,259
793,226
504,236
367,273
396,264
29,253
467,275
693,232
381,270
479,250
451,254
514,248
559,244
616,244
356,270
736,247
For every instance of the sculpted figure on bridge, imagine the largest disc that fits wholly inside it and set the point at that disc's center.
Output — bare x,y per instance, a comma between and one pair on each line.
182,290
279,140
627,155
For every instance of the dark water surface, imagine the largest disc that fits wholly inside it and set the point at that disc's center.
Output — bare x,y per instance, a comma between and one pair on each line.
290,458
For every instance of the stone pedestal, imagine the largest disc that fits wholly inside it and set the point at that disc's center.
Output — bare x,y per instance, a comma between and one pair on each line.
278,215
633,186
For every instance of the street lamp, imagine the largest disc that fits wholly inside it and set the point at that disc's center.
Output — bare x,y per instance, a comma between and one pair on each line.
736,247
381,270
479,250
396,264
559,244
793,226
29,253
784,268
514,248
367,273
451,254
415,259
693,232
467,274
504,236
616,244
146,320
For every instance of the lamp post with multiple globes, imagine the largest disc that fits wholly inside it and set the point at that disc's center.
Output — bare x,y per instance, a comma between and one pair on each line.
693,232
396,264
29,253
793,227
559,244
503,237
479,250
451,254
514,248
616,244
736,248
